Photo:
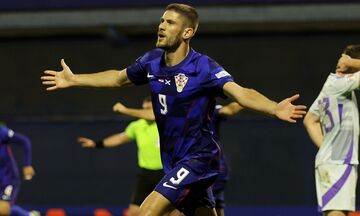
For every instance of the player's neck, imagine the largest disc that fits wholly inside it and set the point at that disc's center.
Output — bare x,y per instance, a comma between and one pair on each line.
176,56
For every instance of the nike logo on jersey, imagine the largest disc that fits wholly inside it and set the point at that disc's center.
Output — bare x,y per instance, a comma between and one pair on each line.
165,184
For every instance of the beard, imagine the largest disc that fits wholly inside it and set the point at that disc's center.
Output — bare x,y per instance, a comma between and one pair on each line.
169,44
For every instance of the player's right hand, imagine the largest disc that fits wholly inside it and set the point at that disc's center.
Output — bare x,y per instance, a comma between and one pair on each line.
86,142
119,107
289,112
28,172
58,79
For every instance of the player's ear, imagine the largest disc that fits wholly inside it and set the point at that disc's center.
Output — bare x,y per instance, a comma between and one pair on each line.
188,33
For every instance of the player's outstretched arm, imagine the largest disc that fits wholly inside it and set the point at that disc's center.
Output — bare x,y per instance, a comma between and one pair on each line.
313,128
230,109
111,141
21,139
66,78
253,100
146,114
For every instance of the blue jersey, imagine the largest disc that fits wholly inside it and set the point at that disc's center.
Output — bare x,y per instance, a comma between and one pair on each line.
9,173
183,99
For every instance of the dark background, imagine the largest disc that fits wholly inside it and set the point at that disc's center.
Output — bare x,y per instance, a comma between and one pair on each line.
272,162
278,65
7,5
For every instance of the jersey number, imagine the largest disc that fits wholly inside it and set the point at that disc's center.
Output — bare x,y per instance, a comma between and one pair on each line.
181,174
162,100
326,103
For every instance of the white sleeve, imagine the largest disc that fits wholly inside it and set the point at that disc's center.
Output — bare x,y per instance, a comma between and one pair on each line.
349,83
315,107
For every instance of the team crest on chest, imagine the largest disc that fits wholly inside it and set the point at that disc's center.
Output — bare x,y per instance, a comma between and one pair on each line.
180,81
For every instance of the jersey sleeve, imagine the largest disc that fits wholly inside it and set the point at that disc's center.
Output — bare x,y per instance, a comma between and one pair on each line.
215,76
9,136
349,83
315,107
6,134
130,130
136,72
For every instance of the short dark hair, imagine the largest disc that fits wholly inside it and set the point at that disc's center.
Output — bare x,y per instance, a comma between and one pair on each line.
187,11
353,51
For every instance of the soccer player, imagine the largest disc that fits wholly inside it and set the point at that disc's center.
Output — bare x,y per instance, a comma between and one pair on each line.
333,125
184,85
9,173
145,134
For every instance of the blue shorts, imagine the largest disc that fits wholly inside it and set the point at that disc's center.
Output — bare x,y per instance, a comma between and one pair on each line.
9,192
187,189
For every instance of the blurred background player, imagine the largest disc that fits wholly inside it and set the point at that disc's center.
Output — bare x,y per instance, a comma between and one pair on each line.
333,125
9,174
145,134
219,115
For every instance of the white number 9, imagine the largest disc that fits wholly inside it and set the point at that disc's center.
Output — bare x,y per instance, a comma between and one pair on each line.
162,100
181,174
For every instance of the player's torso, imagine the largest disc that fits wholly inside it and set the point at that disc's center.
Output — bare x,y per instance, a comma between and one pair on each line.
147,140
336,112
181,105
340,124
180,100
146,135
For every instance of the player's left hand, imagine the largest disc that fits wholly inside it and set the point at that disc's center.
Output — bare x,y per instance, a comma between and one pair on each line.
28,172
86,142
58,79
286,111
341,66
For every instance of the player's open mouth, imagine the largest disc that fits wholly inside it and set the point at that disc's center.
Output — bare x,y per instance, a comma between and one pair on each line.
161,35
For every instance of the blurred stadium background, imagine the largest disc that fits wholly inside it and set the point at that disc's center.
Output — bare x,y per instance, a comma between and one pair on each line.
279,47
